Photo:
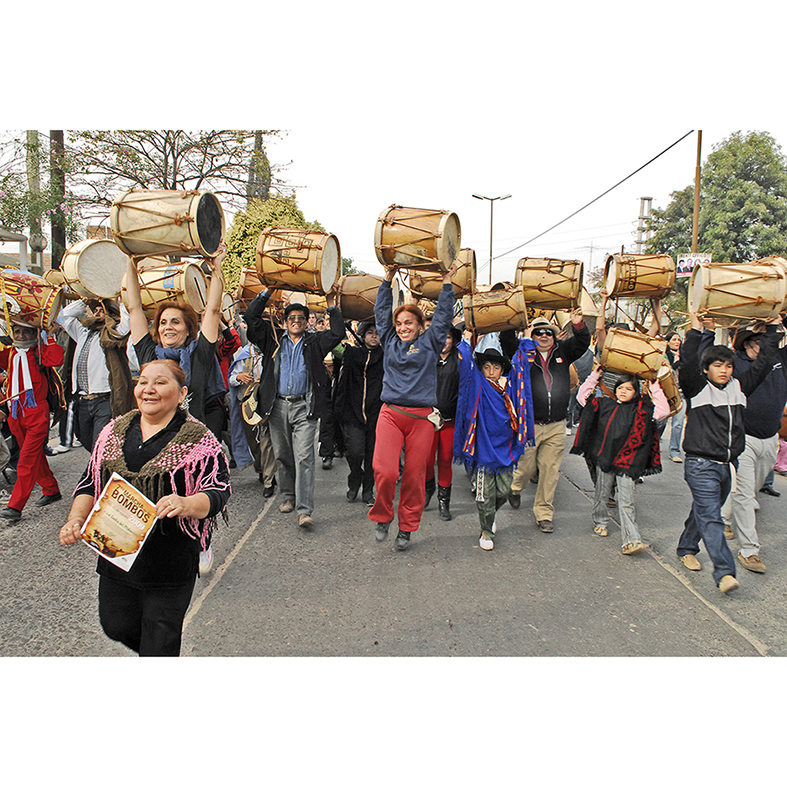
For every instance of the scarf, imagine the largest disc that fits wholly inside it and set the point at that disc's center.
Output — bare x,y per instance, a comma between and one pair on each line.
619,437
493,426
20,370
214,380
194,451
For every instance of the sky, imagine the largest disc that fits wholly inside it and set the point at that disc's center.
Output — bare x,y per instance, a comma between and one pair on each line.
423,104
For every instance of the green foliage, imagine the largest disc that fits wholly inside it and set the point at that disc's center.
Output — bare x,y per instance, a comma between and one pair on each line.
743,204
348,266
246,228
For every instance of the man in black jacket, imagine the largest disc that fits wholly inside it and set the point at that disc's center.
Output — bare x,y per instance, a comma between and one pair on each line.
293,394
550,381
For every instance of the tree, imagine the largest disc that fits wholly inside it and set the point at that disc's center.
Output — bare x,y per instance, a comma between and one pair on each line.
743,204
249,223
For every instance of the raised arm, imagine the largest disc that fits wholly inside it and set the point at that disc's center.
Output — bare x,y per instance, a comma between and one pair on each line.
211,317
138,322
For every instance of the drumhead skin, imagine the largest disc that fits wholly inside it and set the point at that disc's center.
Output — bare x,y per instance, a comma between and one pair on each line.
329,266
696,289
195,287
210,224
94,268
610,276
30,299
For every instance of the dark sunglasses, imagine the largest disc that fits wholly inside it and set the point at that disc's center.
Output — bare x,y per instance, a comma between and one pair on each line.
542,332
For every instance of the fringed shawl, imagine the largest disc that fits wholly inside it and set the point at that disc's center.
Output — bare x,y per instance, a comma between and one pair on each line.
194,453
483,437
619,437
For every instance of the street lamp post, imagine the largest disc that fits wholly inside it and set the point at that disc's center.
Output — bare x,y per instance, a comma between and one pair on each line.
491,219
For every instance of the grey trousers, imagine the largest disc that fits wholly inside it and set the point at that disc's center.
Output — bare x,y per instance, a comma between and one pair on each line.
492,490
625,500
293,435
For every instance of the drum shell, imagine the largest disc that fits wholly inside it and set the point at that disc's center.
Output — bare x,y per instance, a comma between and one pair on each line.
94,253
666,379
497,309
639,275
177,223
356,295
426,284
30,299
630,352
739,291
183,284
549,283
417,238
298,260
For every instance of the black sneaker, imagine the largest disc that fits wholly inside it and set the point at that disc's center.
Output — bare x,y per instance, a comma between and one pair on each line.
402,541
11,514
352,494
368,498
327,462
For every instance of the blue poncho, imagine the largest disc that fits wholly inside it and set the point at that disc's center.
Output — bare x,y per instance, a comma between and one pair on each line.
483,437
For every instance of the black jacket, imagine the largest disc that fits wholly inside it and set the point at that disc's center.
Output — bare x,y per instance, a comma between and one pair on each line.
316,346
360,385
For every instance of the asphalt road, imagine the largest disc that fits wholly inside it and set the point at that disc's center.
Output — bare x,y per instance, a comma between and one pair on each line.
278,591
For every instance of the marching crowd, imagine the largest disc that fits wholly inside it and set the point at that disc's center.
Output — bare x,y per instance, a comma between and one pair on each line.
407,401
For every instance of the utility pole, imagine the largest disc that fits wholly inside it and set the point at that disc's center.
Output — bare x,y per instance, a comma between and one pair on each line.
643,234
696,223
57,178
491,218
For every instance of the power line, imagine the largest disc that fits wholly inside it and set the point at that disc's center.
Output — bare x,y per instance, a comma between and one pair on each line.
563,221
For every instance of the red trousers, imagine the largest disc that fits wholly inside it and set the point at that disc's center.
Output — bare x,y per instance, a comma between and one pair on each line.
443,452
394,429
31,430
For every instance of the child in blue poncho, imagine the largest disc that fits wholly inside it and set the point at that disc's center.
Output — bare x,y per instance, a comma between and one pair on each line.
494,422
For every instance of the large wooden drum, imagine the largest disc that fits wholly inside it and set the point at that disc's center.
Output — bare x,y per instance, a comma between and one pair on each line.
739,291
249,287
94,268
425,284
497,309
176,223
666,379
298,260
639,275
29,299
417,238
549,283
630,352
356,294
180,284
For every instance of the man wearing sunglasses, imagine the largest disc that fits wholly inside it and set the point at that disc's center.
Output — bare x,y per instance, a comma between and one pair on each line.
293,394
550,381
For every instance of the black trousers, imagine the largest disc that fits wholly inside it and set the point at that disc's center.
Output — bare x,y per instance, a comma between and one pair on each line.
149,621
359,453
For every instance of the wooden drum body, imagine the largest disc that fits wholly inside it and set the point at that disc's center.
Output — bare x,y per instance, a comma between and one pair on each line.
183,284
425,284
497,309
666,379
744,290
176,223
639,275
417,238
298,260
94,268
30,299
357,294
630,352
550,284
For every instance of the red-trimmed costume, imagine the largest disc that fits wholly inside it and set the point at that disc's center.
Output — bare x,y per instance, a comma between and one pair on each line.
29,420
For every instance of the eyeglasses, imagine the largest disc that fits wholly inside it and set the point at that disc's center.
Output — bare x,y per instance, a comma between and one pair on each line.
542,332
296,318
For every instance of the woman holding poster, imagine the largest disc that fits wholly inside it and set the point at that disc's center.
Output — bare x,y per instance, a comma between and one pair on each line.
175,461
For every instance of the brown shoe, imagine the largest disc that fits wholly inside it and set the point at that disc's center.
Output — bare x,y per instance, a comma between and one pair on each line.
634,548
514,499
287,506
691,562
305,521
753,563
728,532
545,526
728,583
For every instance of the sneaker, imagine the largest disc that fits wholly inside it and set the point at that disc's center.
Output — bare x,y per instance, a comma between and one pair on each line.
728,532
402,540
381,531
514,499
728,583
486,543
205,561
691,562
677,460
62,449
545,526
305,521
753,563
634,548
5,496
287,506
352,494
568,430
368,498
75,443
11,514
327,462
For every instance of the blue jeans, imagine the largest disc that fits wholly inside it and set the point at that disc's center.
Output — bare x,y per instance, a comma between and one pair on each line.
676,434
709,483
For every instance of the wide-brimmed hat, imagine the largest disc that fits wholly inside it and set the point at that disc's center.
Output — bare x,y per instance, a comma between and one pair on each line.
494,356
542,322
743,335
